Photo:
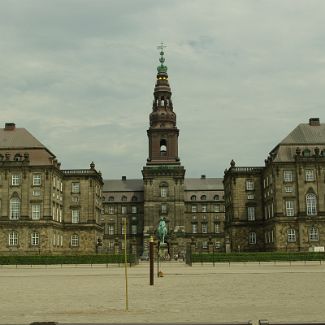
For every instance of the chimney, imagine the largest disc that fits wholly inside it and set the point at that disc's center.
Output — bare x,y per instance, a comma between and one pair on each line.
202,176
10,126
314,121
123,178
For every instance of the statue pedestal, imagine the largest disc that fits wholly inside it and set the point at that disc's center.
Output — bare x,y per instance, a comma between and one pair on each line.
163,255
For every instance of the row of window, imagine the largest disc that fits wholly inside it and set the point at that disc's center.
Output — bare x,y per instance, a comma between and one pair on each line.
288,175
204,208
313,235
123,199
124,209
110,229
204,197
205,228
16,179
13,239
311,206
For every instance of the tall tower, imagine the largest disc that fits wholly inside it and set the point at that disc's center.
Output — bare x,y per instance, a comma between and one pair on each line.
163,174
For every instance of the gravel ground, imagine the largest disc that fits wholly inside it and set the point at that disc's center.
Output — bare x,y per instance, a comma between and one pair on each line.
240,292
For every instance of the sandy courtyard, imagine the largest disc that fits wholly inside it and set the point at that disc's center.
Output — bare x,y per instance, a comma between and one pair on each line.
241,292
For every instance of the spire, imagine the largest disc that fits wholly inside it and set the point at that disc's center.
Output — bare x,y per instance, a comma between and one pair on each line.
162,69
162,115
163,132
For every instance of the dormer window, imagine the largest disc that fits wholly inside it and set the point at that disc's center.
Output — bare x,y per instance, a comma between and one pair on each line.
306,153
193,198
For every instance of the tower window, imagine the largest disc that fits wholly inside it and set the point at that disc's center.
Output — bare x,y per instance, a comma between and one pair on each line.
163,147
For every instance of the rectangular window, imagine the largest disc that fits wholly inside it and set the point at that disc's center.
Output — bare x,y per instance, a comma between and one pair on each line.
36,211
217,228
123,210
204,244
249,185
36,192
287,176
35,239
13,239
204,228
194,209
291,235
134,209
288,189
250,196
15,179
110,229
163,208
134,229
309,175
74,240
216,208
289,208
252,238
37,179
163,191
111,209
251,213
204,208
75,216
313,234
194,228
75,187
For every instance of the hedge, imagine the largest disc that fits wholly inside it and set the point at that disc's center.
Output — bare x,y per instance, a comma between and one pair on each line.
56,259
256,257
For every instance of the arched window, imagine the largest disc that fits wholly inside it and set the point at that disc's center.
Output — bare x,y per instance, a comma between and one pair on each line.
134,198
163,147
111,199
313,234
193,198
74,240
311,204
13,238
203,197
14,208
124,198
216,197
35,238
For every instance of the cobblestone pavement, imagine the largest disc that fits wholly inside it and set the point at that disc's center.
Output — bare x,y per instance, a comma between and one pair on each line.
202,293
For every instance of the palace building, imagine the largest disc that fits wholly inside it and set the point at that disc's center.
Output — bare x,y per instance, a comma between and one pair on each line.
47,210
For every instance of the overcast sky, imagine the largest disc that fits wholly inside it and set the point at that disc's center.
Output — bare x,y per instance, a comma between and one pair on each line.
79,75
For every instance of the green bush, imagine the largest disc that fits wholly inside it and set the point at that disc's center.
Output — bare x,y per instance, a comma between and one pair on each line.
77,259
256,257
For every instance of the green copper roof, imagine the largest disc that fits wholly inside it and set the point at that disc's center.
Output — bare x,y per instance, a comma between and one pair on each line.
161,68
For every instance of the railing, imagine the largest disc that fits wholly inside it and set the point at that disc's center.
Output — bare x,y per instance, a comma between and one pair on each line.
246,169
78,171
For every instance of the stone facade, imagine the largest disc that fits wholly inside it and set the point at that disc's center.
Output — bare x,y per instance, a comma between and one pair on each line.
287,196
43,209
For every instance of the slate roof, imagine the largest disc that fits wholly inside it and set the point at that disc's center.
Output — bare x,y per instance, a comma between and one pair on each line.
20,141
204,184
118,185
17,139
306,134
303,136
